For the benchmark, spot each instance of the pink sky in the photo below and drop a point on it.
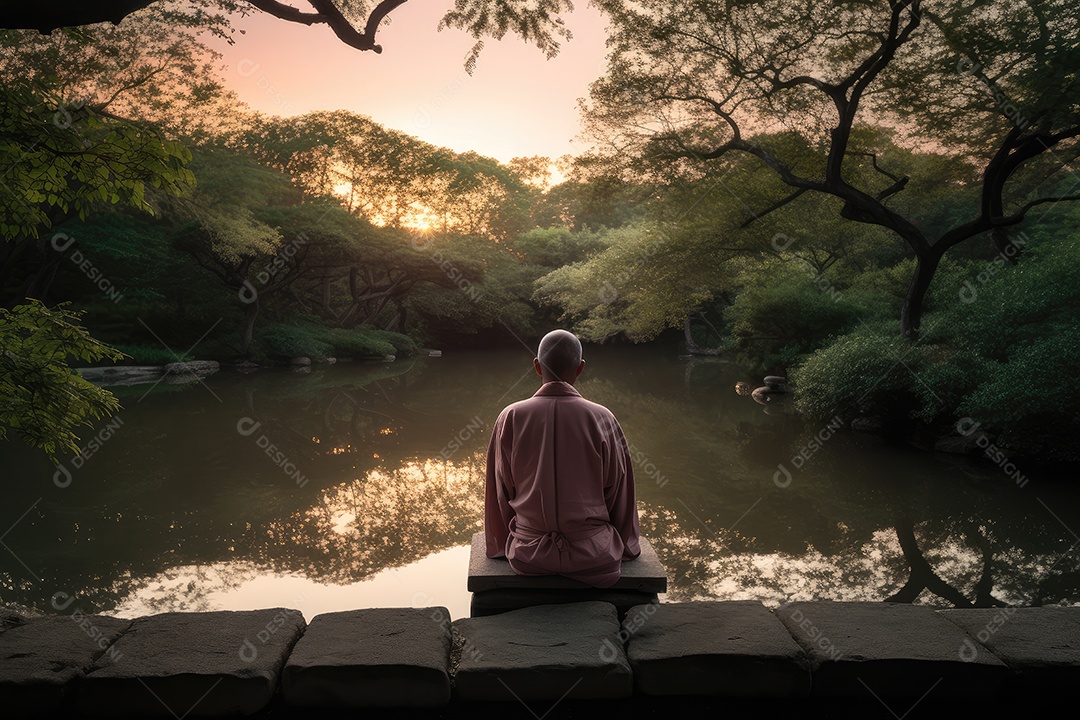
(516, 102)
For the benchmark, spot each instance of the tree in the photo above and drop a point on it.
(535, 21)
(986, 84)
(44, 399)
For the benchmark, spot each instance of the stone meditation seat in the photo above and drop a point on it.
(496, 588)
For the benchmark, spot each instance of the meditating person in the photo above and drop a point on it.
(560, 484)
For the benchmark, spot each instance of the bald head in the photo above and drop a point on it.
(559, 357)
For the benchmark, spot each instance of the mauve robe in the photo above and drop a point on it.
(560, 488)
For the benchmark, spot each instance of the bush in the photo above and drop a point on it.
(318, 342)
(857, 374)
(783, 313)
(283, 340)
(1031, 399)
(357, 342)
(152, 355)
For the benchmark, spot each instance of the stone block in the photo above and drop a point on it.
(193, 664)
(41, 658)
(494, 602)
(734, 649)
(548, 652)
(389, 657)
(644, 573)
(1040, 645)
(863, 649)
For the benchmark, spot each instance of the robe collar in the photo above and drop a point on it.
(557, 388)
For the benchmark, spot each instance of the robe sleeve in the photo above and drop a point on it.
(619, 493)
(497, 510)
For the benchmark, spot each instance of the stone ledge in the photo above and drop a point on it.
(644, 573)
(861, 649)
(548, 652)
(734, 649)
(41, 658)
(390, 657)
(229, 663)
(1039, 645)
(198, 664)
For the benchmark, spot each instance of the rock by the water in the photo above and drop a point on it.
(388, 657)
(300, 360)
(547, 653)
(774, 381)
(193, 663)
(765, 395)
(1040, 645)
(434, 353)
(737, 649)
(862, 649)
(41, 658)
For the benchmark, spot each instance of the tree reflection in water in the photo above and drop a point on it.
(179, 509)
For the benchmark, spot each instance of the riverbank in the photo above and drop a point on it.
(802, 655)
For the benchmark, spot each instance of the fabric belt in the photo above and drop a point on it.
(559, 537)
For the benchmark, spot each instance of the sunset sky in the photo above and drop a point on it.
(516, 103)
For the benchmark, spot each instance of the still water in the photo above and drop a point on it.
(358, 485)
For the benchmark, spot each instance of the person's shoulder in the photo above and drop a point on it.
(513, 407)
(598, 410)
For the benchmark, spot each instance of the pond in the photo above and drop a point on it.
(359, 485)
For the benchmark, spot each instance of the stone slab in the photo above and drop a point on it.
(548, 653)
(193, 664)
(644, 573)
(41, 658)
(1040, 645)
(388, 657)
(864, 649)
(495, 602)
(735, 649)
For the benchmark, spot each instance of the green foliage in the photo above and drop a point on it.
(45, 401)
(1002, 352)
(68, 161)
(785, 310)
(305, 337)
(152, 355)
(860, 373)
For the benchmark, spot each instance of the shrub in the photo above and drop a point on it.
(152, 355)
(867, 372)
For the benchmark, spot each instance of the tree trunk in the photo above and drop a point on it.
(249, 326)
(911, 314)
(692, 347)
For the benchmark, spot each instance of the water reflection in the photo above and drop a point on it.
(198, 504)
